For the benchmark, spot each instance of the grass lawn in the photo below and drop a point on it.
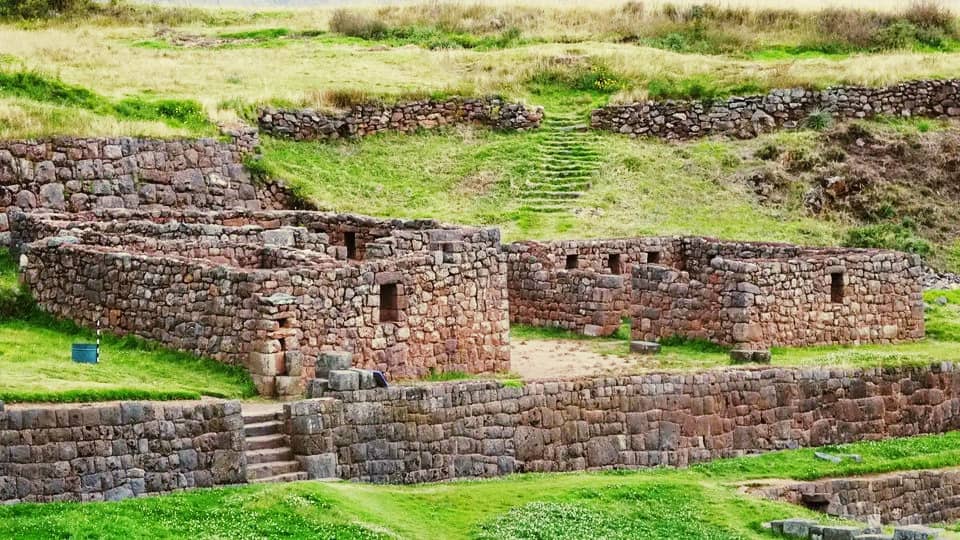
(941, 345)
(697, 503)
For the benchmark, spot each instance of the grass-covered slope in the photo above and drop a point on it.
(698, 503)
(35, 363)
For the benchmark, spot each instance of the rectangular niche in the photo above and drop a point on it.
(389, 303)
(653, 257)
(613, 262)
(350, 240)
(836, 287)
(572, 261)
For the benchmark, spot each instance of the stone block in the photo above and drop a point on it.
(839, 532)
(317, 387)
(367, 381)
(287, 386)
(319, 466)
(644, 347)
(344, 380)
(333, 360)
(793, 528)
(747, 356)
(916, 532)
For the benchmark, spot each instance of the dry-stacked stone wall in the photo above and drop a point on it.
(79, 174)
(118, 450)
(480, 429)
(270, 290)
(762, 295)
(901, 498)
(578, 285)
(409, 116)
(748, 116)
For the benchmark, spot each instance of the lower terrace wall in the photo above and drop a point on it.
(480, 429)
(409, 116)
(902, 498)
(79, 174)
(748, 116)
(120, 450)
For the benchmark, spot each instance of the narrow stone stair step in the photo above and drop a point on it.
(266, 455)
(556, 194)
(556, 186)
(272, 468)
(263, 428)
(259, 418)
(287, 477)
(277, 440)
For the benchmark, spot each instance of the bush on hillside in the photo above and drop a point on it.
(357, 24)
(42, 9)
(897, 236)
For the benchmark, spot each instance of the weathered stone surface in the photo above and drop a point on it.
(407, 117)
(113, 452)
(916, 532)
(644, 347)
(344, 380)
(744, 117)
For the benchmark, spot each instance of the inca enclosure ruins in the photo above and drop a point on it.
(490, 271)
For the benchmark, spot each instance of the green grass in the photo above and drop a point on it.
(701, 502)
(43, 89)
(36, 365)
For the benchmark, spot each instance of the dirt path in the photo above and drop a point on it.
(546, 358)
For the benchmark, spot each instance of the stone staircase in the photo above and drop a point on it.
(567, 164)
(269, 457)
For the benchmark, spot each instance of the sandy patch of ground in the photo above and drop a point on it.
(548, 358)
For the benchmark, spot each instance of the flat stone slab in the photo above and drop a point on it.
(644, 347)
(344, 380)
(750, 356)
(916, 532)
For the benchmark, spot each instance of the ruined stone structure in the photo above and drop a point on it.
(752, 295)
(471, 429)
(901, 498)
(368, 119)
(79, 174)
(270, 290)
(116, 451)
(579, 285)
(748, 116)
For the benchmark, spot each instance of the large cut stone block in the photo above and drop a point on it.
(344, 380)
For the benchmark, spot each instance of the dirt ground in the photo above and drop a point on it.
(545, 358)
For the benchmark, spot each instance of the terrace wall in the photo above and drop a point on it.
(748, 116)
(79, 174)
(481, 429)
(368, 119)
(901, 498)
(116, 451)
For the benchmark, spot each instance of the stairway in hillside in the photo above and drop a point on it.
(269, 458)
(568, 160)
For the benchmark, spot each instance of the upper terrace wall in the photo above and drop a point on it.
(274, 308)
(371, 118)
(119, 450)
(579, 285)
(475, 429)
(762, 295)
(79, 174)
(749, 116)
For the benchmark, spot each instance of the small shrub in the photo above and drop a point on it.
(929, 14)
(43, 9)
(595, 77)
(818, 120)
(898, 236)
(899, 35)
(768, 152)
(352, 23)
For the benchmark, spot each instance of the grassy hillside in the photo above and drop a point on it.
(701, 503)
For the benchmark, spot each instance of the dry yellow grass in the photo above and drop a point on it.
(20, 118)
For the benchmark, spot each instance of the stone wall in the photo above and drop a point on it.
(480, 429)
(901, 498)
(578, 285)
(79, 174)
(409, 116)
(761, 295)
(269, 290)
(119, 450)
(748, 116)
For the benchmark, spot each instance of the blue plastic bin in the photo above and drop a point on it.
(85, 353)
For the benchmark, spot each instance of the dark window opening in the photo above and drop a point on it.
(350, 240)
(572, 261)
(836, 287)
(389, 303)
(613, 261)
(653, 257)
